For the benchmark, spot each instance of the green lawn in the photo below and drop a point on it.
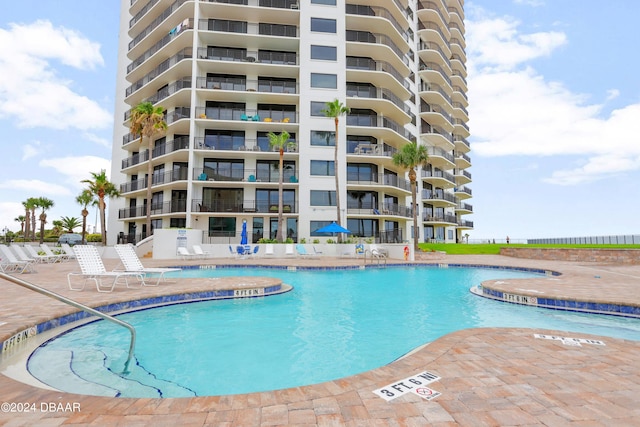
(494, 249)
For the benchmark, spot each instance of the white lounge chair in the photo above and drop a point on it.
(302, 251)
(59, 257)
(92, 268)
(28, 253)
(378, 252)
(132, 264)
(185, 254)
(68, 250)
(197, 250)
(12, 264)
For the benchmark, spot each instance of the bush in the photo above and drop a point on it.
(94, 238)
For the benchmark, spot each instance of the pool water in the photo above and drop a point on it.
(333, 324)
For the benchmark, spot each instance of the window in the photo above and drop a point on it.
(323, 198)
(317, 107)
(316, 225)
(224, 139)
(263, 142)
(227, 26)
(177, 222)
(327, 53)
(362, 172)
(322, 168)
(363, 227)
(269, 170)
(224, 170)
(323, 25)
(221, 200)
(362, 200)
(222, 226)
(327, 81)
(329, 2)
(267, 201)
(323, 138)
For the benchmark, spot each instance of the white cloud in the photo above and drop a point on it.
(97, 139)
(36, 186)
(516, 111)
(77, 169)
(30, 150)
(612, 94)
(533, 3)
(31, 90)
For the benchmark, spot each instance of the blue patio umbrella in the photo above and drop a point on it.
(243, 235)
(332, 228)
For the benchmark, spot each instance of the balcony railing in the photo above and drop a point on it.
(159, 45)
(289, 176)
(432, 66)
(165, 92)
(438, 174)
(378, 121)
(356, 63)
(437, 195)
(269, 116)
(240, 144)
(242, 84)
(174, 206)
(465, 206)
(432, 87)
(177, 114)
(158, 179)
(463, 156)
(435, 27)
(233, 206)
(439, 218)
(159, 20)
(180, 143)
(429, 108)
(463, 190)
(462, 172)
(433, 6)
(164, 66)
(367, 37)
(364, 10)
(382, 179)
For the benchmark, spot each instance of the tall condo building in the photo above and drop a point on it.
(229, 72)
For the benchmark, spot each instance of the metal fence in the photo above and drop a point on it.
(630, 239)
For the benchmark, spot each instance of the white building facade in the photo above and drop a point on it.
(228, 72)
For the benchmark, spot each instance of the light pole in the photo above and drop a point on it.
(5, 231)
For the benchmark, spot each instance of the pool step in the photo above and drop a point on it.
(86, 371)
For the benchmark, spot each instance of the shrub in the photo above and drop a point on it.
(94, 237)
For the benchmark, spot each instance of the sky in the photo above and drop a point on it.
(554, 97)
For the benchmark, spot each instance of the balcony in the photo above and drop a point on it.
(180, 143)
(462, 176)
(370, 120)
(438, 197)
(165, 92)
(250, 116)
(140, 59)
(462, 192)
(234, 207)
(462, 160)
(439, 219)
(164, 66)
(367, 44)
(360, 97)
(246, 175)
(174, 206)
(158, 179)
(375, 180)
(236, 84)
(464, 208)
(439, 178)
(374, 18)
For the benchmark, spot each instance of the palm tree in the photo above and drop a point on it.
(85, 199)
(409, 157)
(21, 219)
(280, 141)
(30, 210)
(58, 227)
(69, 223)
(101, 187)
(27, 219)
(148, 121)
(334, 110)
(44, 204)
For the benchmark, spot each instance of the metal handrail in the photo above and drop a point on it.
(76, 304)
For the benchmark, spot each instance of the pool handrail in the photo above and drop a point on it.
(80, 306)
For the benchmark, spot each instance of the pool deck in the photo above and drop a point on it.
(487, 377)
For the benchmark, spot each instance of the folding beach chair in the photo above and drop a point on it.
(12, 264)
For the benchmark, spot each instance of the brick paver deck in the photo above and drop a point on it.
(488, 377)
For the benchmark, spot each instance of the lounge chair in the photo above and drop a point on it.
(185, 254)
(58, 257)
(317, 252)
(131, 263)
(92, 268)
(12, 264)
(378, 252)
(233, 253)
(302, 251)
(288, 249)
(68, 250)
(28, 253)
(197, 250)
(256, 248)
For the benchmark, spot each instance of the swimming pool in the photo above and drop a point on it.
(333, 324)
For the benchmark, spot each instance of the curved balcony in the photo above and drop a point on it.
(167, 91)
(378, 73)
(431, 32)
(239, 144)
(376, 180)
(446, 219)
(432, 73)
(438, 178)
(252, 176)
(140, 88)
(367, 44)
(239, 89)
(462, 192)
(461, 144)
(433, 11)
(377, 19)
(159, 179)
(461, 128)
(456, 15)
(434, 94)
(259, 62)
(172, 22)
(383, 101)
(276, 11)
(464, 208)
(438, 198)
(465, 225)
(462, 176)
(180, 40)
(462, 160)
(379, 127)
(440, 158)
(241, 116)
(436, 116)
